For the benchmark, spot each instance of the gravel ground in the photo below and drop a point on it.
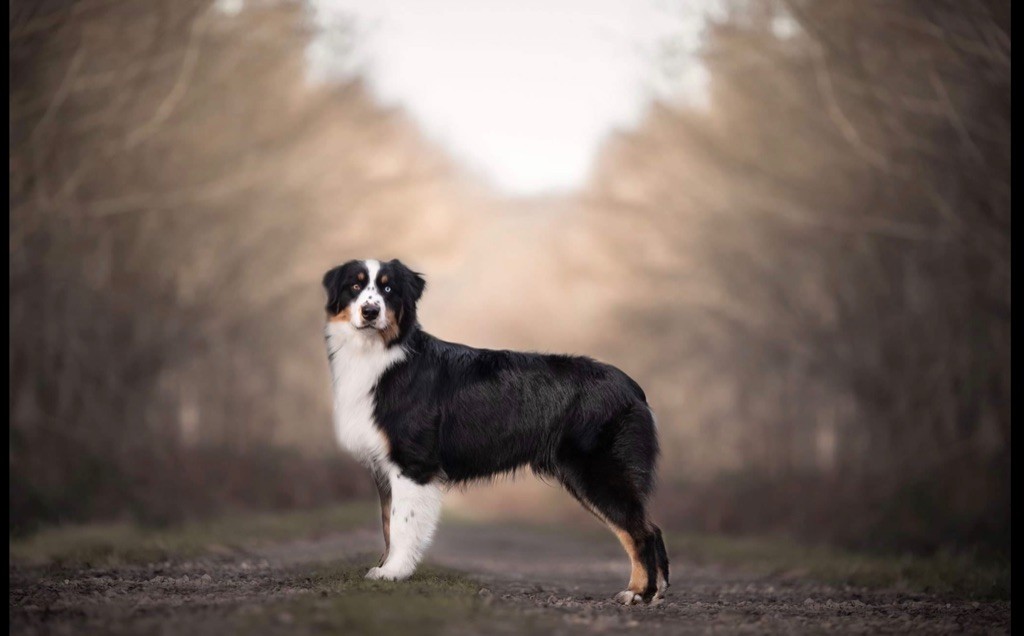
(562, 580)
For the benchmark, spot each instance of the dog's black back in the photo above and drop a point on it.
(463, 413)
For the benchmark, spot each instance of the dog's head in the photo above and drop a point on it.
(374, 297)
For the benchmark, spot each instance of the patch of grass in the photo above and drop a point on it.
(944, 574)
(111, 544)
(433, 601)
(348, 577)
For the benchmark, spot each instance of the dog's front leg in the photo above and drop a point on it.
(384, 492)
(415, 510)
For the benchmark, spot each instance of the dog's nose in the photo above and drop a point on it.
(370, 312)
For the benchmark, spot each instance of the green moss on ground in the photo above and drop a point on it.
(433, 601)
(109, 544)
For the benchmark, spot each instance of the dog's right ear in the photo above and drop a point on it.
(331, 277)
(330, 283)
(333, 283)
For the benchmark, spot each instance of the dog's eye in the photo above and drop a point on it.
(387, 290)
(355, 287)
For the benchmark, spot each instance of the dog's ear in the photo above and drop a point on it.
(332, 282)
(414, 280)
(331, 277)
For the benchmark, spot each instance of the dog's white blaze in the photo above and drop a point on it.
(415, 510)
(369, 295)
(357, 360)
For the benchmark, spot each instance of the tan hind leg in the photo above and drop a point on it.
(639, 576)
(645, 576)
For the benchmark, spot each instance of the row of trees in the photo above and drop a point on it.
(822, 255)
(835, 232)
(177, 190)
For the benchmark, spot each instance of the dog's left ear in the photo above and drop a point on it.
(415, 280)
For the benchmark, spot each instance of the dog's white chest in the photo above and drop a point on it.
(357, 362)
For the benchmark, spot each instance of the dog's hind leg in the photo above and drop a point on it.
(612, 474)
(662, 558)
(415, 510)
(642, 551)
(623, 511)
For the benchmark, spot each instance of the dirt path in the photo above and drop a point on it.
(560, 578)
(559, 573)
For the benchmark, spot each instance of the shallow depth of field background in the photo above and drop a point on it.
(788, 220)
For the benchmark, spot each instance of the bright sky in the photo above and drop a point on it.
(522, 91)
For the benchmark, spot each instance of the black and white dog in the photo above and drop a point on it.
(424, 414)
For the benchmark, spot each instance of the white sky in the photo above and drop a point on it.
(521, 91)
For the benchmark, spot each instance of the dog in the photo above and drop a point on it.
(424, 414)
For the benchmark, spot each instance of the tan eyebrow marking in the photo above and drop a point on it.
(361, 276)
(384, 279)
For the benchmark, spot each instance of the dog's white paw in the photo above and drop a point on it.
(383, 574)
(377, 574)
(628, 597)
